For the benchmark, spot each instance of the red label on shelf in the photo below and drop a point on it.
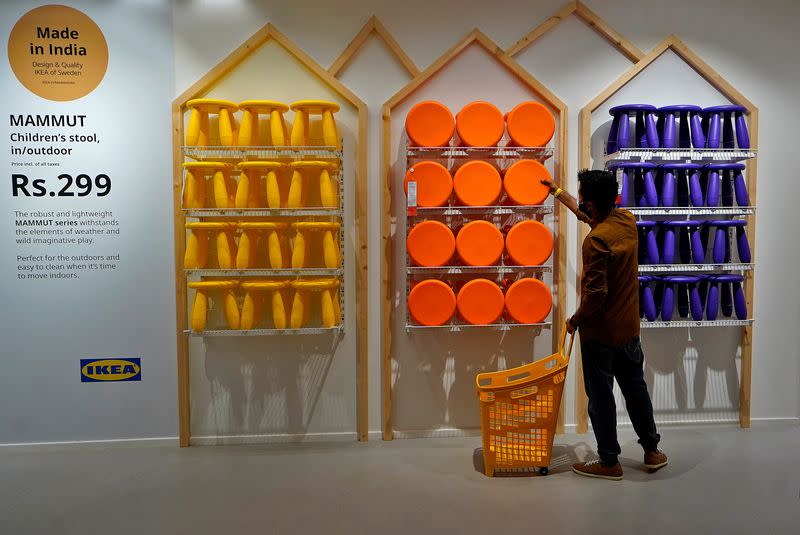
(412, 197)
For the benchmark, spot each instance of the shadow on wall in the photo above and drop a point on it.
(274, 388)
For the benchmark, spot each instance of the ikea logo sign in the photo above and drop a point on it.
(111, 369)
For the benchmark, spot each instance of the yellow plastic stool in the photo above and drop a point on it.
(200, 305)
(248, 248)
(330, 248)
(327, 189)
(194, 188)
(329, 302)
(300, 127)
(251, 307)
(198, 131)
(248, 131)
(248, 191)
(196, 255)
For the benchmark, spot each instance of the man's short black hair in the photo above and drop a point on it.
(598, 186)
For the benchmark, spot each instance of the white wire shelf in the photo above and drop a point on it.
(260, 153)
(499, 152)
(457, 327)
(465, 270)
(726, 210)
(275, 273)
(694, 268)
(681, 155)
(265, 332)
(684, 324)
(483, 210)
(262, 212)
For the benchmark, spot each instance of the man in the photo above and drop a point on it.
(608, 322)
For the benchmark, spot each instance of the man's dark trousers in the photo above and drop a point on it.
(601, 364)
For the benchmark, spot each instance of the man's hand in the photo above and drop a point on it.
(571, 327)
(549, 183)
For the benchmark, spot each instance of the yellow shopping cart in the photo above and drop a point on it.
(519, 410)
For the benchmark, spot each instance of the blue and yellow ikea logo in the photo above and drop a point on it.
(111, 369)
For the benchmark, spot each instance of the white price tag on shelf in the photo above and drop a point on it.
(412, 197)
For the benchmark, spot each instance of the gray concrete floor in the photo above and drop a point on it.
(720, 480)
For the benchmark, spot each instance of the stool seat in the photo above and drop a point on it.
(528, 301)
(213, 284)
(263, 106)
(727, 278)
(430, 124)
(212, 225)
(724, 166)
(530, 124)
(727, 223)
(206, 165)
(523, 182)
(264, 225)
(631, 165)
(676, 166)
(680, 108)
(480, 124)
(265, 285)
(431, 243)
(477, 183)
(682, 279)
(312, 164)
(479, 243)
(647, 224)
(329, 301)
(529, 243)
(726, 108)
(254, 164)
(316, 225)
(315, 285)
(480, 302)
(631, 107)
(314, 106)
(431, 303)
(434, 183)
(212, 105)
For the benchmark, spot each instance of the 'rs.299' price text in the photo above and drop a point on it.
(64, 185)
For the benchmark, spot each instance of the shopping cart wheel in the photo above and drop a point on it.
(544, 470)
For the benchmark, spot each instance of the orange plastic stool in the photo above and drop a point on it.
(431, 303)
(523, 182)
(480, 124)
(479, 243)
(529, 243)
(430, 124)
(434, 184)
(528, 301)
(480, 302)
(477, 183)
(530, 124)
(431, 243)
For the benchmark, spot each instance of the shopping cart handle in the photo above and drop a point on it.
(564, 341)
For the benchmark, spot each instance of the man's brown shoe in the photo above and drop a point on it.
(653, 460)
(597, 469)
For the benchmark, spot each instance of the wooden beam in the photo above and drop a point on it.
(387, 272)
(200, 88)
(749, 281)
(373, 25)
(531, 37)
(181, 303)
(614, 38)
(584, 158)
(560, 253)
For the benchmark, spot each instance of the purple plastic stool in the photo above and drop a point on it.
(647, 236)
(680, 126)
(645, 132)
(688, 297)
(720, 121)
(721, 250)
(720, 289)
(647, 303)
(632, 174)
(681, 182)
(730, 179)
(689, 239)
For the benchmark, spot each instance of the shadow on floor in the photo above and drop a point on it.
(562, 458)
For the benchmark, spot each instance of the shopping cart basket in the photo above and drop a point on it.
(519, 410)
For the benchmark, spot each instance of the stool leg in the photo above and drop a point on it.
(298, 310)
(714, 131)
(669, 246)
(695, 302)
(191, 255)
(225, 128)
(248, 319)
(739, 301)
(650, 188)
(205, 130)
(668, 189)
(625, 193)
(226, 250)
(712, 302)
(698, 137)
(220, 185)
(623, 131)
(695, 191)
(326, 189)
(246, 254)
(273, 190)
(277, 128)
(683, 300)
(649, 304)
(652, 248)
(712, 195)
(668, 135)
(328, 314)
(202, 248)
(743, 245)
(295, 190)
(740, 188)
(330, 135)
(274, 249)
(193, 128)
(199, 310)
(668, 302)
(299, 129)
(299, 250)
(278, 310)
(194, 190)
(651, 129)
(684, 131)
(698, 249)
(330, 251)
(232, 317)
(726, 300)
(230, 186)
(243, 188)
(337, 307)
(742, 135)
(611, 143)
(254, 196)
(727, 131)
(245, 138)
(720, 239)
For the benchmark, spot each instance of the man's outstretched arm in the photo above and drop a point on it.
(567, 200)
